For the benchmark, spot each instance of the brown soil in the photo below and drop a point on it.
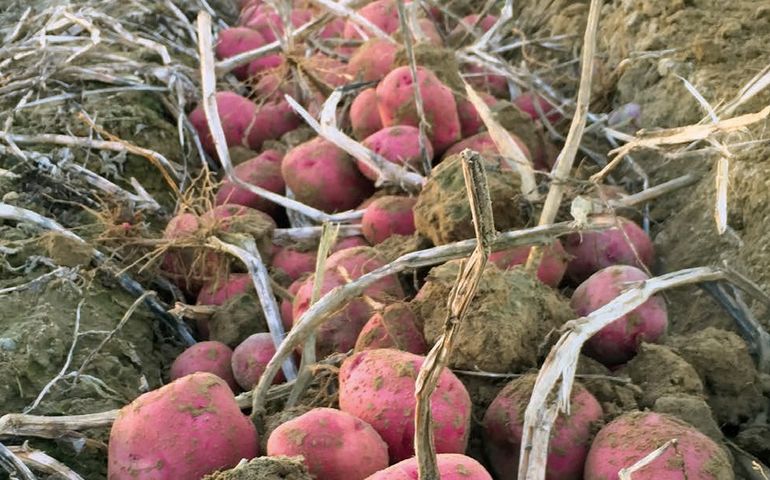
(504, 329)
(266, 468)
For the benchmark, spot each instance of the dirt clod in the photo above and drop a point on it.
(237, 319)
(658, 371)
(265, 468)
(692, 409)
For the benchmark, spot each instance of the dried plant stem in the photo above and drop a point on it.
(42, 462)
(423, 124)
(248, 254)
(298, 234)
(328, 237)
(208, 86)
(13, 465)
(625, 473)
(654, 192)
(22, 425)
(9, 212)
(459, 300)
(558, 370)
(319, 312)
(563, 167)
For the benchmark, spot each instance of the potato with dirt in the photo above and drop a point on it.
(212, 357)
(399, 145)
(377, 386)
(250, 359)
(619, 341)
(263, 171)
(570, 436)
(325, 177)
(396, 103)
(235, 40)
(334, 445)
(186, 429)
(373, 60)
(631, 437)
(364, 116)
(396, 326)
(552, 265)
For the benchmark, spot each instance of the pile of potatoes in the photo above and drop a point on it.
(193, 426)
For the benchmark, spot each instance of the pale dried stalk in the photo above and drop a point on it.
(654, 192)
(42, 462)
(316, 315)
(248, 254)
(427, 163)
(291, 235)
(760, 81)
(625, 473)
(558, 370)
(328, 237)
(208, 87)
(563, 167)
(508, 148)
(460, 298)
(720, 207)
(9, 212)
(22, 425)
(387, 172)
(12, 464)
(680, 135)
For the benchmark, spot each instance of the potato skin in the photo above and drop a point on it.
(373, 60)
(250, 359)
(364, 116)
(335, 445)
(632, 436)
(399, 145)
(552, 265)
(235, 40)
(570, 437)
(377, 386)
(387, 216)
(382, 13)
(264, 171)
(394, 327)
(451, 466)
(211, 357)
(218, 292)
(470, 120)
(592, 251)
(237, 114)
(619, 341)
(186, 429)
(395, 101)
(324, 177)
(483, 143)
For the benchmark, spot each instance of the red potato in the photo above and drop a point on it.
(570, 436)
(235, 40)
(395, 101)
(399, 145)
(293, 263)
(334, 445)
(395, 327)
(263, 171)
(382, 13)
(356, 261)
(481, 79)
(325, 177)
(273, 85)
(211, 357)
(266, 20)
(250, 359)
(526, 103)
(552, 265)
(275, 118)
(624, 244)
(387, 216)
(631, 437)
(333, 29)
(377, 386)
(364, 116)
(186, 429)
(451, 466)
(373, 60)
(218, 292)
(349, 242)
(184, 265)
(470, 120)
(619, 341)
(483, 143)
(327, 69)
(237, 114)
(430, 31)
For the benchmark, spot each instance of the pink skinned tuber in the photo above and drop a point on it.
(470, 120)
(624, 244)
(451, 466)
(263, 171)
(186, 429)
(250, 359)
(619, 341)
(373, 60)
(552, 265)
(218, 292)
(382, 13)
(211, 357)
(399, 145)
(387, 216)
(235, 40)
(396, 103)
(364, 116)
(570, 436)
(334, 445)
(377, 386)
(395, 327)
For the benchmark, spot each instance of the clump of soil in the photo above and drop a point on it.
(658, 371)
(397, 245)
(237, 319)
(729, 376)
(442, 212)
(511, 314)
(693, 410)
(615, 396)
(265, 468)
